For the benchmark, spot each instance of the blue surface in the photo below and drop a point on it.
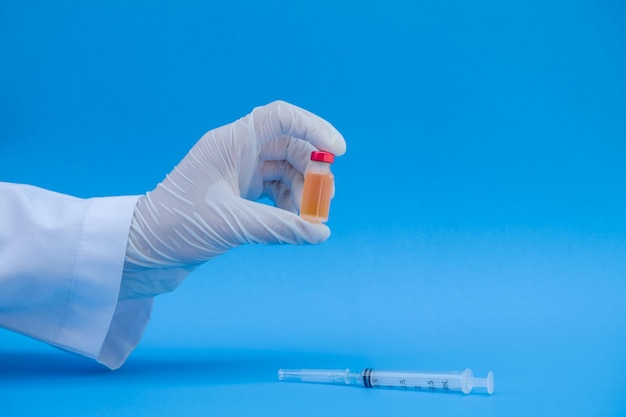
(478, 222)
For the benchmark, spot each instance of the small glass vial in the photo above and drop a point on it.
(318, 187)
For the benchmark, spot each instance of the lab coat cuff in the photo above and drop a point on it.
(127, 326)
(97, 324)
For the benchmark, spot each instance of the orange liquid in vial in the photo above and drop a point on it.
(318, 187)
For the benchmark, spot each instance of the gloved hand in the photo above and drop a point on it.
(206, 206)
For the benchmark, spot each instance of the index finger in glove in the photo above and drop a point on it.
(288, 148)
(280, 118)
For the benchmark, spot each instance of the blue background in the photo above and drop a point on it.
(478, 221)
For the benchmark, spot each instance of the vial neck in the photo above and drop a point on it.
(319, 166)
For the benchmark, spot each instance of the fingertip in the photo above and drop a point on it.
(268, 224)
(319, 232)
(306, 125)
(338, 144)
(332, 141)
(309, 232)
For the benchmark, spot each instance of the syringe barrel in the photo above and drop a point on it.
(449, 381)
(445, 381)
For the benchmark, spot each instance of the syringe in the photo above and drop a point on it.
(370, 378)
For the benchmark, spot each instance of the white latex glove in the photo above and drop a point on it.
(205, 206)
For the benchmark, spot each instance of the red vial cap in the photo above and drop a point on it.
(322, 157)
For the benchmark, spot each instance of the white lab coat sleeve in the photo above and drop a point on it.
(61, 263)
